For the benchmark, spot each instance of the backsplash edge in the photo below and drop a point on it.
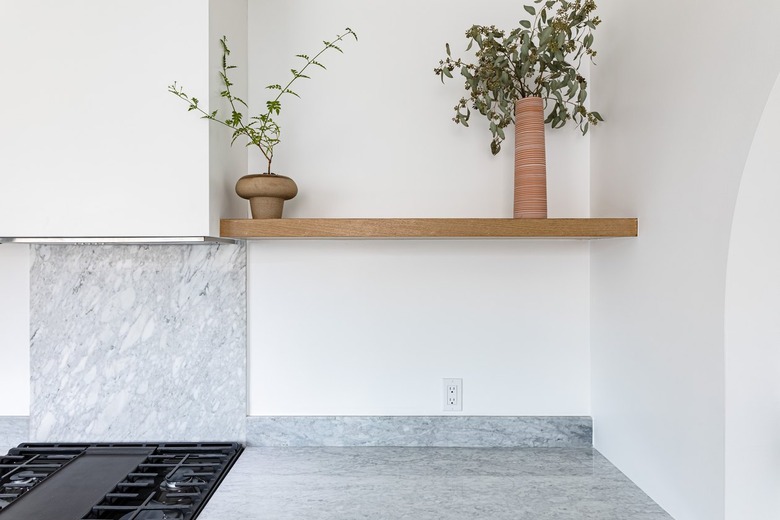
(421, 431)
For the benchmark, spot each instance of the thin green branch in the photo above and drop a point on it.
(299, 74)
(266, 135)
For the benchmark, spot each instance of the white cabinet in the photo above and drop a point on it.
(91, 142)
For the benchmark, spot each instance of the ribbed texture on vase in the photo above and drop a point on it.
(530, 161)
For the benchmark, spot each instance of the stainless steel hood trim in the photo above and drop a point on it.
(118, 240)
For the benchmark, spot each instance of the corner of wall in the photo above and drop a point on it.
(226, 163)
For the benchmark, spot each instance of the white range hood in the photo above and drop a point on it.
(117, 240)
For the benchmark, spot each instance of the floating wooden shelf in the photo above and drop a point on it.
(581, 228)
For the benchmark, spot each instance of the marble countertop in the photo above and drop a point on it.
(427, 483)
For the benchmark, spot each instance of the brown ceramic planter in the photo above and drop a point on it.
(530, 159)
(266, 193)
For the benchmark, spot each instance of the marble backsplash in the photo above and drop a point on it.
(422, 431)
(138, 343)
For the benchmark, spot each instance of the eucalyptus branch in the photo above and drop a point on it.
(531, 60)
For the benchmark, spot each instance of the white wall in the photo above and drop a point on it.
(681, 112)
(371, 327)
(753, 331)
(15, 329)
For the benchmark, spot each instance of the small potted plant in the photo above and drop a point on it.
(267, 191)
(520, 74)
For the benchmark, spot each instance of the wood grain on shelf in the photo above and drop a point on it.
(428, 228)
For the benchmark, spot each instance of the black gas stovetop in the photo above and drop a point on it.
(150, 481)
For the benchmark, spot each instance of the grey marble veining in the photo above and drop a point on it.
(442, 431)
(13, 431)
(134, 343)
(426, 484)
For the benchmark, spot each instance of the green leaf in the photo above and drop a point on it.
(447, 46)
(525, 23)
(587, 40)
(545, 35)
(274, 106)
(530, 10)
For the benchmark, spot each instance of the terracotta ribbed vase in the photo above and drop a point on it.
(530, 161)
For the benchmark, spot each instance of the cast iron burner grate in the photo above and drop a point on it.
(150, 481)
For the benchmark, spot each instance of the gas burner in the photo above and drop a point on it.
(24, 479)
(180, 488)
(181, 479)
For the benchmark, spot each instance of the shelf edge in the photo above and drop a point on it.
(428, 228)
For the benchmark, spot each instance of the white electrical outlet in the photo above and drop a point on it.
(453, 395)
